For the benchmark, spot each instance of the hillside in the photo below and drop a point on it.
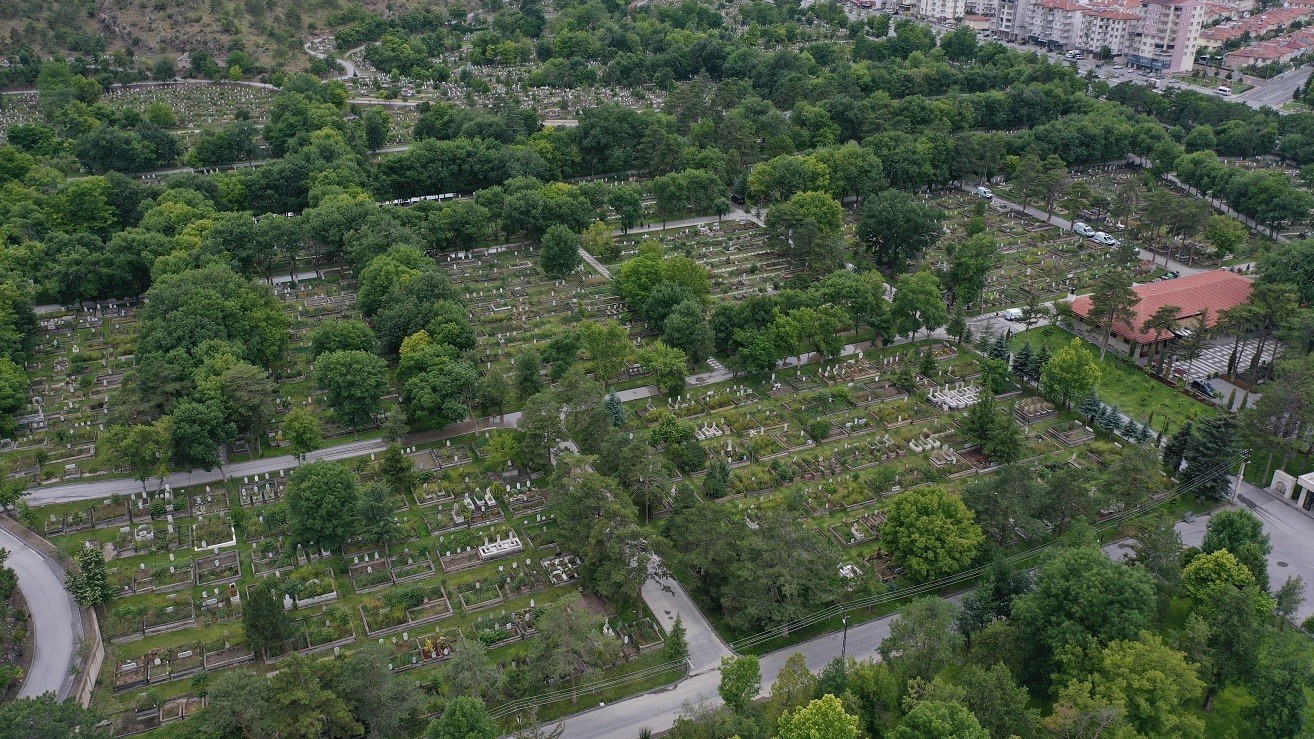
(271, 31)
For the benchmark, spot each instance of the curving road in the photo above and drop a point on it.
(56, 621)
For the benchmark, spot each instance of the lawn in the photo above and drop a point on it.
(1126, 386)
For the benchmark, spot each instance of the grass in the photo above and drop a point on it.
(1125, 385)
(1265, 462)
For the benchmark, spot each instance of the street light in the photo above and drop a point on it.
(844, 645)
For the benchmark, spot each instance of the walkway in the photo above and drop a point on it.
(56, 621)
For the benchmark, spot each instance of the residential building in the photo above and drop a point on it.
(1106, 28)
(941, 9)
(1214, 291)
(1166, 38)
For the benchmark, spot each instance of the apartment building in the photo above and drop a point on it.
(1167, 36)
(1106, 28)
(941, 9)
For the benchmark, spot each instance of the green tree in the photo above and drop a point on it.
(354, 382)
(923, 640)
(264, 622)
(321, 504)
(971, 261)
(1160, 326)
(931, 533)
(301, 431)
(687, 330)
(336, 336)
(939, 720)
(529, 373)
(237, 703)
(375, 515)
(607, 344)
(1209, 452)
(1149, 682)
(794, 687)
(1112, 304)
(1207, 572)
(142, 449)
(1286, 673)
(570, 643)
(895, 228)
(44, 717)
(470, 672)
(918, 304)
(676, 646)
(560, 251)
(195, 433)
(1070, 374)
(89, 584)
(667, 364)
(300, 703)
(823, 717)
(741, 681)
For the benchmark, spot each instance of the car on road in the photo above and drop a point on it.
(1102, 238)
(1224, 90)
(1012, 314)
(984, 192)
(1083, 229)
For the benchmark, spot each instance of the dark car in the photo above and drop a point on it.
(1204, 388)
(737, 199)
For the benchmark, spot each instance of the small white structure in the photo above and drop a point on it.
(1297, 492)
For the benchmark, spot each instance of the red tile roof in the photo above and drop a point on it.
(1218, 291)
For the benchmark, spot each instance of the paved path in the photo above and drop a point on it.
(56, 621)
(667, 598)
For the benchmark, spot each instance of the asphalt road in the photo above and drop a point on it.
(1276, 91)
(56, 622)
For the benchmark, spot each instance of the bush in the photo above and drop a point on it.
(406, 598)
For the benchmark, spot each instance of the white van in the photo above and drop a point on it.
(1224, 90)
(1102, 238)
(1012, 314)
(984, 192)
(1083, 229)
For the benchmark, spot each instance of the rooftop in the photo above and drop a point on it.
(1217, 291)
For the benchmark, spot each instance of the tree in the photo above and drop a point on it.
(89, 584)
(441, 395)
(560, 251)
(355, 382)
(895, 228)
(795, 685)
(470, 672)
(301, 704)
(529, 373)
(687, 330)
(570, 643)
(923, 640)
(676, 646)
(301, 431)
(142, 449)
(1209, 453)
(607, 344)
(807, 228)
(43, 717)
(939, 720)
(1112, 304)
(264, 622)
(1285, 674)
(464, 718)
(1070, 374)
(321, 504)
(997, 701)
(375, 513)
(1160, 326)
(823, 717)
(1006, 504)
(1288, 599)
(195, 433)
(741, 680)
(336, 336)
(1225, 234)
(931, 533)
(237, 703)
(971, 261)
(918, 304)
(1208, 572)
(1151, 684)
(783, 571)
(1082, 599)
(1235, 529)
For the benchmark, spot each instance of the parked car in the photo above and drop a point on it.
(1102, 238)
(1205, 388)
(984, 192)
(1083, 229)
(1013, 314)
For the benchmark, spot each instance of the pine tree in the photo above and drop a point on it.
(1091, 406)
(980, 419)
(1022, 360)
(999, 348)
(982, 343)
(1114, 420)
(1132, 431)
(1040, 359)
(928, 365)
(676, 648)
(616, 410)
(1211, 445)
(1175, 450)
(1004, 446)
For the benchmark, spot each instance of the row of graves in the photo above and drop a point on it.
(194, 105)
(80, 360)
(836, 441)
(1038, 260)
(734, 252)
(183, 571)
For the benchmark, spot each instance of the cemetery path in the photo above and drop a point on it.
(1066, 225)
(667, 599)
(91, 489)
(56, 621)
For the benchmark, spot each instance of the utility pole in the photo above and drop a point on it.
(844, 645)
(1236, 487)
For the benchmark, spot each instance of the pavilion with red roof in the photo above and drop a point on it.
(1214, 291)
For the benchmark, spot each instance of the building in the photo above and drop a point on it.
(1297, 492)
(1106, 28)
(941, 9)
(1214, 291)
(1166, 38)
